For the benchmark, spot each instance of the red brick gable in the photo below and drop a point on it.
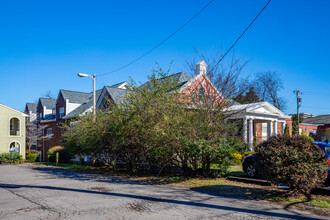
(194, 85)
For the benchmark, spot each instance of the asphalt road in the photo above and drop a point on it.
(28, 192)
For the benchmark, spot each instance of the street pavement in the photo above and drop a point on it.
(32, 192)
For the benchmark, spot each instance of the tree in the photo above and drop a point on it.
(158, 127)
(267, 86)
(48, 94)
(294, 161)
(294, 119)
(34, 133)
(250, 97)
(227, 77)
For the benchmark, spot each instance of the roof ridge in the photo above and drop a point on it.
(73, 91)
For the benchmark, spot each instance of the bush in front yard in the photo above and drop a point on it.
(292, 160)
(31, 155)
(64, 155)
(12, 157)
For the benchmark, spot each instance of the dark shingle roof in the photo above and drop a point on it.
(119, 84)
(317, 120)
(75, 97)
(118, 95)
(48, 103)
(84, 106)
(31, 107)
(182, 78)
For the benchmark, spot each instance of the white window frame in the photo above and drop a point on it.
(19, 122)
(19, 151)
(51, 131)
(264, 135)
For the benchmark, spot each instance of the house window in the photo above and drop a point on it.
(49, 131)
(193, 97)
(315, 132)
(61, 112)
(14, 129)
(264, 131)
(14, 147)
(201, 94)
(40, 115)
(209, 99)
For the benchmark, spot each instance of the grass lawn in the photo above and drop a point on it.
(319, 204)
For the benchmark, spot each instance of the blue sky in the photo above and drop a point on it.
(44, 44)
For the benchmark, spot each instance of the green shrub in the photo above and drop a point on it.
(12, 157)
(307, 137)
(248, 152)
(64, 155)
(292, 160)
(31, 157)
(32, 152)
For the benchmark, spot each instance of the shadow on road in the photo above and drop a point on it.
(82, 176)
(153, 199)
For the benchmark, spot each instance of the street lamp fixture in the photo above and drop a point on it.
(94, 96)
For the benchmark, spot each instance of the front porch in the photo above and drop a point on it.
(260, 120)
(258, 129)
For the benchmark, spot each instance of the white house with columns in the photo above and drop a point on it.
(261, 120)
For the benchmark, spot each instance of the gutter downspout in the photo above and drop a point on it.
(43, 144)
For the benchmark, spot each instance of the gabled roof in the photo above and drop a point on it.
(317, 120)
(23, 114)
(121, 85)
(264, 108)
(88, 104)
(182, 78)
(48, 103)
(117, 95)
(31, 107)
(74, 96)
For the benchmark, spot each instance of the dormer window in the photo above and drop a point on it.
(14, 129)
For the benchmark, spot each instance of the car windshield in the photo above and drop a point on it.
(327, 150)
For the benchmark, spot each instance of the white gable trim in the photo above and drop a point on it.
(23, 114)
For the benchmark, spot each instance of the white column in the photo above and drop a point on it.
(283, 127)
(245, 130)
(270, 128)
(251, 133)
(275, 128)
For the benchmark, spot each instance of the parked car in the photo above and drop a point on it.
(250, 169)
(326, 149)
(249, 166)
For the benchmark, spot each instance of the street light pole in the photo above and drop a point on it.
(94, 102)
(94, 93)
(94, 98)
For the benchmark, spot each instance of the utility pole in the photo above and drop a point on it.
(297, 92)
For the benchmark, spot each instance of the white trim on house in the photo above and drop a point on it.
(20, 146)
(23, 114)
(20, 127)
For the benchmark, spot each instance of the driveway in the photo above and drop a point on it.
(28, 192)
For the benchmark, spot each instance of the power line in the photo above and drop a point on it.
(304, 106)
(232, 46)
(160, 43)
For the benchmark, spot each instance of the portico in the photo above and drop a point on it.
(260, 121)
